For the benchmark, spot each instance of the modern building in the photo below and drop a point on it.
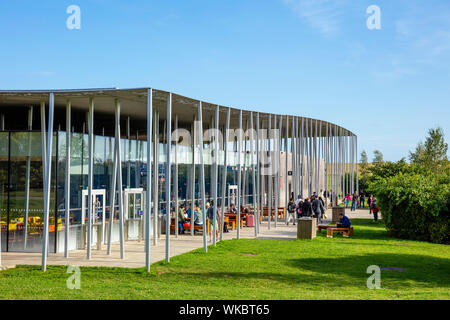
(44, 192)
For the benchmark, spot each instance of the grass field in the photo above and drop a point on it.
(260, 269)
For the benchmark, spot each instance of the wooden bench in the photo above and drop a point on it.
(346, 232)
(321, 227)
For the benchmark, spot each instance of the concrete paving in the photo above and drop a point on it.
(134, 250)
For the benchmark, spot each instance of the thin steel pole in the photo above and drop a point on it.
(202, 173)
(269, 147)
(252, 151)
(258, 209)
(175, 180)
(216, 172)
(156, 230)
(48, 166)
(225, 169)
(149, 178)
(112, 197)
(286, 171)
(119, 180)
(239, 177)
(27, 179)
(90, 175)
(193, 178)
(168, 168)
(67, 182)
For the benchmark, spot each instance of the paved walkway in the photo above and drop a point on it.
(134, 250)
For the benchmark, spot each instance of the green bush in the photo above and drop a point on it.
(414, 202)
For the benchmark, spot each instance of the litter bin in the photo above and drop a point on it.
(306, 228)
(336, 211)
(250, 220)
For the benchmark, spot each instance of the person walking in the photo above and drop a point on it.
(317, 209)
(212, 221)
(347, 199)
(375, 211)
(307, 208)
(354, 202)
(291, 208)
(362, 199)
(371, 202)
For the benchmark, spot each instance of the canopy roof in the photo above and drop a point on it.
(134, 105)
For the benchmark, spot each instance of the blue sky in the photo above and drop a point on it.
(314, 58)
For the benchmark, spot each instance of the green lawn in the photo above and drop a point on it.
(260, 269)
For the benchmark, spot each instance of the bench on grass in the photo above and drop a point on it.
(346, 232)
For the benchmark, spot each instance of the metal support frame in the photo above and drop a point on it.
(239, 191)
(216, 172)
(202, 173)
(175, 180)
(90, 175)
(67, 179)
(225, 170)
(119, 179)
(149, 178)
(168, 168)
(286, 171)
(47, 147)
(258, 207)
(156, 230)
(27, 179)
(269, 147)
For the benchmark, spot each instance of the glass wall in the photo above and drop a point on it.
(21, 177)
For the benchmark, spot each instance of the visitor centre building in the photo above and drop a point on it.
(81, 169)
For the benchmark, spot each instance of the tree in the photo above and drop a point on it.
(432, 153)
(364, 158)
(377, 156)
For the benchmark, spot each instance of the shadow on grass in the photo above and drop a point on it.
(418, 268)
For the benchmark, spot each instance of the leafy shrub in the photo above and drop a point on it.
(414, 201)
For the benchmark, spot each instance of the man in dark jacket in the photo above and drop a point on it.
(307, 208)
(344, 221)
(317, 209)
(291, 208)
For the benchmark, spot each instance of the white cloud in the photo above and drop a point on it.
(323, 15)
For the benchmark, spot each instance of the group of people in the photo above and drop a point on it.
(185, 215)
(313, 206)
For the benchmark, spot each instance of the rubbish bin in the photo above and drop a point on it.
(306, 228)
(250, 220)
(336, 211)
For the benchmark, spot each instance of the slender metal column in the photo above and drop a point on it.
(112, 196)
(119, 179)
(244, 165)
(128, 155)
(175, 181)
(149, 178)
(27, 179)
(286, 170)
(90, 175)
(168, 168)
(302, 157)
(238, 222)
(258, 210)
(216, 172)
(156, 230)
(269, 176)
(67, 182)
(225, 169)
(275, 168)
(278, 157)
(294, 156)
(47, 175)
(193, 177)
(253, 167)
(202, 173)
